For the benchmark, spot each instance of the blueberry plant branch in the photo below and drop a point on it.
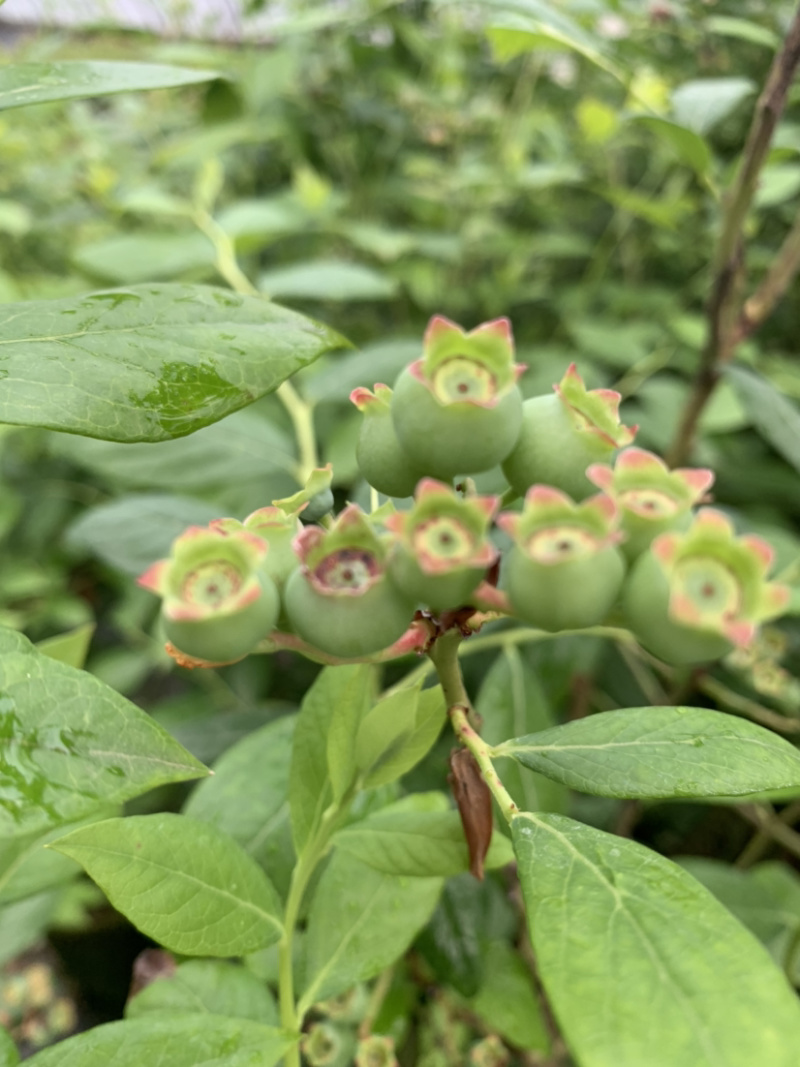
(300, 411)
(444, 656)
(727, 324)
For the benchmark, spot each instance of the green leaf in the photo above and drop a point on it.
(135, 530)
(130, 258)
(247, 798)
(23, 922)
(777, 184)
(687, 145)
(71, 648)
(35, 83)
(242, 447)
(700, 104)
(507, 1000)
(70, 744)
(640, 963)
(9, 1057)
(661, 752)
(355, 685)
(511, 702)
(745, 896)
(212, 987)
(310, 789)
(405, 839)
(150, 362)
(407, 750)
(775, 417)
(183, 883)
(179, 1040)
(743, 30)
(384, 730)
(359, 922)
(328, 279)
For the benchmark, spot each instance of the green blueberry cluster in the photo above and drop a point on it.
(642, 552)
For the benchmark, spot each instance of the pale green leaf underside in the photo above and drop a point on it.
(37, 83)
(69, 743)
(640, 963)
(661, 752)
(149, 362)
(182, 882)
(180, 1040)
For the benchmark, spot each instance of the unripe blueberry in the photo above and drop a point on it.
(564, 571)
(562, 433)
(693, 597)
(339, 599)
(651, 499)
(441, 550)
(380, 457)
(279, 530)
(314, 500)
(458, 409)
(218, 603)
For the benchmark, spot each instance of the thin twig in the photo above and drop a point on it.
(780, 275)
(744, 706)
(723, 313)
(761, 840)
(768, 822)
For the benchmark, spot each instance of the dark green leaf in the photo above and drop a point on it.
(360, 921)
(511, 702)
(775, 417)
(247, 797)
(210, 987)
(507, 1000)
(178, 1040)
(150, 362)
(135, 530)
(406, 839)
(70, 744)
(661, 752)
(183, 883)
(640, 963)
(35, 83)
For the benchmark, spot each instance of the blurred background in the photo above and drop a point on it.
(374, 163)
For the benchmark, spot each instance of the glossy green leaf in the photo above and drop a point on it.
(9, 1057)
(179, 1040)
(408, 746)
(150, 362)
(182, 882)
(507, 1000)
(210, 987)
(511, 702)
(310, 788)
(661, 752)
(775, 417)
(328, 279)
(640, 963)
(36, 83)
(684, 142)
(70, 744)
(247, 797)
(700, 104)
(360, 921)
(137, 529)
(423, 844)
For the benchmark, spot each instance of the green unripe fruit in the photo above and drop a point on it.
(459, 437)
(380, 458)
(347, 626)
(340, 599)
(564, 571)
(226, 638)
(562, 434)
(565, 595)
(440, 592)
(319, 504)
(646, 602)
